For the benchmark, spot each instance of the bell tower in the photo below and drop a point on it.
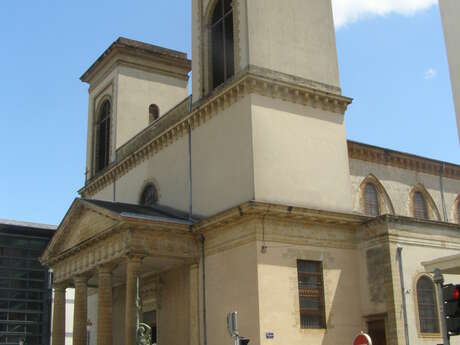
(295, 38)
(270, 68)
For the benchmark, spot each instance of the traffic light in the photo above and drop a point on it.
(451, 297)
(244, 341)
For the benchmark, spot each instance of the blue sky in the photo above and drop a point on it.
(393, 65)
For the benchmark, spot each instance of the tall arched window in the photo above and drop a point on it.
(223, 59)
(103, 136)
(149, 195)
(154, 113)
(420, 207)
(371, 200)
(427, 307)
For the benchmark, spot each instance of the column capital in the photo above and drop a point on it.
(81, 279)
(132, 257)
(106, 268)
(60, 287)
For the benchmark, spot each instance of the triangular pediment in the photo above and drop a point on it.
(81, 223)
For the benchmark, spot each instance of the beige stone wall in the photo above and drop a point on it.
(419, 243)
(137, 89)
(167, 170)
(92, 315)
(450, 10)
(222, 160)
(130, 91)
(173, 316)
(296, 39)
(300, 155)
(398, 184)
(222, 167)
(118, 314)
(279, 294)
(106, 194)
(231, 285)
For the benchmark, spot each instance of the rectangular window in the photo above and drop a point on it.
(311, 294)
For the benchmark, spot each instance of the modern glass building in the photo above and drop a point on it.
(25, 294)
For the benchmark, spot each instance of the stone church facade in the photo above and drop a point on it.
(246, 195)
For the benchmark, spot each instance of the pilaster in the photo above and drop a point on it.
(58, 335)
(104, 311)
(80, 311)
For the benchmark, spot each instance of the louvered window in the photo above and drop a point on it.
(311, 294)
(371, 201)
(103, 137)
(223, 59)
(420, 209)
(427, 308)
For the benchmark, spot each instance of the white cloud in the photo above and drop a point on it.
(349, 11)
(430, 73)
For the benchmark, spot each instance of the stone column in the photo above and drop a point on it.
(58, 336)
(104, 306)
(80, 316)
(133, 270)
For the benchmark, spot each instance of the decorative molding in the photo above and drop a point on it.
(385, 203)
(153, 139)
(142, 50)
(402, 160)
(432, 209)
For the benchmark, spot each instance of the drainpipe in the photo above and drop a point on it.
(403, 290)
(443, 200)
(190, 191)
(205, 335)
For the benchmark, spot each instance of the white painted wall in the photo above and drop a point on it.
(450, 13)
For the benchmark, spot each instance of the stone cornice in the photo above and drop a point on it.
(159, 138)
(255, 209)
(402, 160)
(145, 51)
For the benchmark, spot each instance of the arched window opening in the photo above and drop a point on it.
(154, 113)
(103, 136)
(149, 196)
(223, 59)
(427, 308)
(420, 207)
(371, 200)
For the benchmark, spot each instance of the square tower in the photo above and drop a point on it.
(131, 85)
(294, 38)
(284, 137)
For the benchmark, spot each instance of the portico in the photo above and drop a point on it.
(102, 245)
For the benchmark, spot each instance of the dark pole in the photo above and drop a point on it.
(439, 281)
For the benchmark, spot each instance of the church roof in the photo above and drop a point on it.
(130, 46)
(152, 212)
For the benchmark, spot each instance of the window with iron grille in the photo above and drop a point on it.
(427, 308)
(419, 203)
(371, 200)
(103, 136)
(149, 195)
(223, 59)
(311, 294)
